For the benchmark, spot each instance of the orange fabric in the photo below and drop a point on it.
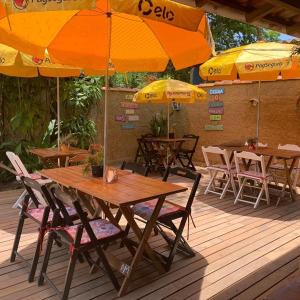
(80, 38)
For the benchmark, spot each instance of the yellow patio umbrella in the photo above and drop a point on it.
(261, 61)
(18, 64)
(129, 36)
(168, 91)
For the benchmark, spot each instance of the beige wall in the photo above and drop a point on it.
(280, 118)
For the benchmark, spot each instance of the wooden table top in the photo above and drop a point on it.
(47, 153)
(128, 190)
(267, 151)
(167, 140)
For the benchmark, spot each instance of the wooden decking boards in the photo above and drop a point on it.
(241, 253)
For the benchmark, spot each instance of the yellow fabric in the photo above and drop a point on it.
(169, 90)
(20, 6)
(258, 61)
(15, 63)
(80, 38)
(173, 13)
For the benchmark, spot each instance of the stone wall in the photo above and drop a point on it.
(280, 117)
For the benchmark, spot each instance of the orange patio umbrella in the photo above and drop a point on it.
(129, 36)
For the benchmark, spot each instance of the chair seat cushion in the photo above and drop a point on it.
(37, 213)
(145, 209)
(102, 229)
(254, 174)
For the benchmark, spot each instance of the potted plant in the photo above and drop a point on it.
(94, 162)
(251, 143)
(159, 125)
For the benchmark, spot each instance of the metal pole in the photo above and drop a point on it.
(58, 117)
(258, 112)
(105, 137)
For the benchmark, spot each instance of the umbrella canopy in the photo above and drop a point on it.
(89, 38)
(169, 90)
(258, 61)
(135, 36)
(15, 63)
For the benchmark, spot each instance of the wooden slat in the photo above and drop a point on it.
(241, 253)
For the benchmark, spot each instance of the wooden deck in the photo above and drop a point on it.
(241, 253)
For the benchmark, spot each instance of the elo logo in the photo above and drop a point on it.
(147, 8)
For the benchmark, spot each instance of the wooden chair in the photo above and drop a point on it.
(134, 168)
(170, 212)
(38, 214)
(22, 171)
(251, 177)
(81, 238)
(225, 168)
(186, 154)
(277, 169)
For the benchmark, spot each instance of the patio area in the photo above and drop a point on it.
(241, 253)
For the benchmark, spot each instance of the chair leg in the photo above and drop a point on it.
(225, 188)
(176, 241)
(108, 268)
(69, 276)
(233, 185)
(17, 238)
(127, 228)
(211, 182)
(259, 197)
(36, 257)
(240, 190)
(46, 258)
(267, 192)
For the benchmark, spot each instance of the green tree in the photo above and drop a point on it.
(228, 33)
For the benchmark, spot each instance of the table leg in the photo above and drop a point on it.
(288, 182)
(143, 244)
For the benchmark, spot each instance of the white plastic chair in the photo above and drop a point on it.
(22, 171)
(260, 177)
(226, 169)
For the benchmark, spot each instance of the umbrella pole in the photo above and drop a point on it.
(258, 112)
(105, 136)
(58, 117)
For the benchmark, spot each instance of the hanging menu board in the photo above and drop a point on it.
(215, 110)
(128, 116)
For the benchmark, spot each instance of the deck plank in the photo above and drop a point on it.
(241, 253)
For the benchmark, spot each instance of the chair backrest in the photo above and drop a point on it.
(135, 168)
(291, 147)
(244, 155)
(223, 153)
(64, 199)
(39, 194)
(17, 164)
(188, 174)
(192, 137)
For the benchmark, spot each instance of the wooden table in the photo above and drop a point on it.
(130, 189)
(280, 154)
(47, 154)
(173, 146)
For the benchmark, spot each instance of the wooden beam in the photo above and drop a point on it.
(295, 8)
(200, 3)
(293, 29)
(259, 12)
